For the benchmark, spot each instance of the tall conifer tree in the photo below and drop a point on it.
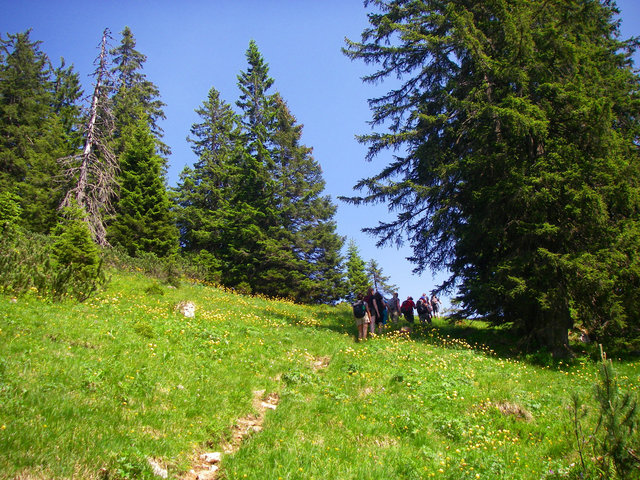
(255, 186)
(520, 127)
(31, 134)
(144, 219)
(357, 280)
(252, 208)
(205, 193)
(308, 263)
(134, 94)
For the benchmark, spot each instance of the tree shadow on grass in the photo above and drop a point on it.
(480, 335)
(331, 319)
(501, 341)
(477, 334)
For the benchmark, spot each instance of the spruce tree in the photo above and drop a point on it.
(379, 280)
(289, 247)
(77, 265)
(251, 208)
(134, 94)
(255, 185)
(308, 263)
(357, 280)
(519, 169)
(205, 194)
(144, 221)
(31, 133)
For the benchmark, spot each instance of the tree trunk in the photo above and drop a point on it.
(554, 333)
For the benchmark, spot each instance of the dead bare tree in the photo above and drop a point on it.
(93, 173)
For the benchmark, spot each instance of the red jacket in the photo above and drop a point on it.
(407, 305)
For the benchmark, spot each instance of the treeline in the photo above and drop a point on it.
(250, 213)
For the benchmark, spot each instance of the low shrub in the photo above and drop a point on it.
(65, 264)
(612, 449)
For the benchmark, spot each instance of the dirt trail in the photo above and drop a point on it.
(206, 465)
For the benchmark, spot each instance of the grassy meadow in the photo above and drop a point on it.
(105, 388)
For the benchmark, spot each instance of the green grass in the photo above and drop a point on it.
(93, 390)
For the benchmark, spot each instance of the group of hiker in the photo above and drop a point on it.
(372, 311)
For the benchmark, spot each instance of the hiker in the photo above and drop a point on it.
(393, 307)
(423, 307)
(381, 321)
(374, 313)
(435, 304)
(361, 314)
(407, 309)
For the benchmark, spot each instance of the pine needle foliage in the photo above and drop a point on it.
(78, 263)
(515, 131)
(611, 450)
(32, 130)
(66, 264)
(144, 220)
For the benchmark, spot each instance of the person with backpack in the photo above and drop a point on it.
(422, 307)
(435, 304)
(381, 320)
(375, 315)
(361, 314)
(407, 309)
(393, 306)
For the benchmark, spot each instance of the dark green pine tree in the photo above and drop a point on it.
(256, 106)
(519, 128)
(255, 187)
(205, 195)
(303, 250)
(67, 93)
(134, 94)
(357, 279)
(144, 221)
(379, 280)
(30, 131)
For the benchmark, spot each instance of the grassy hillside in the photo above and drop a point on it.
(122, 382)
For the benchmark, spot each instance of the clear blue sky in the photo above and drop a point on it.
(193, 45)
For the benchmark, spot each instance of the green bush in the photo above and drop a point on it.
(25, 263)
(65, 264)
(154, 289)
(168, 270)
(78, 264)
(611, 450)
(9, 213)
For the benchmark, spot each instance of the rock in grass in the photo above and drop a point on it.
(158, 470)
(211, 457)
(188, 309)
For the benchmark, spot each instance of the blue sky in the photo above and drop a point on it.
(193, 45)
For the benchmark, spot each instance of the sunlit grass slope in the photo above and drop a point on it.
(95, 390)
